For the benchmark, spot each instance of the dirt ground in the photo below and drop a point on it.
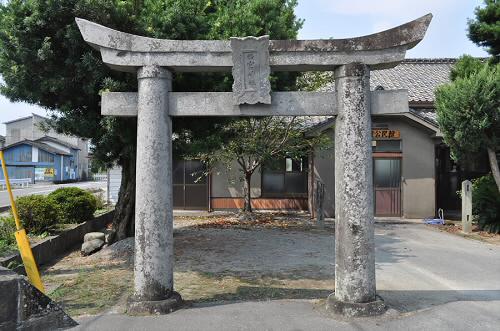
(218, 258)
(477, 234)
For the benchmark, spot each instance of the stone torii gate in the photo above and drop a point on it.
(251, 59)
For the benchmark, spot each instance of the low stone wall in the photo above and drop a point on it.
(52, 247)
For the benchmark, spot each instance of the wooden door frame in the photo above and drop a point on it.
(388, 155)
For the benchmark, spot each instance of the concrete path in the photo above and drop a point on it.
(435, 280)
(46, 188)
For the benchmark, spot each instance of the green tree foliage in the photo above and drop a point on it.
(253, 142)
(486, 204)
(44, 61)
(468, 111)
(484, 29)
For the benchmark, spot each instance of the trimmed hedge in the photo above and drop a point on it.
(74, 205)
(38, 213)
(486, 203)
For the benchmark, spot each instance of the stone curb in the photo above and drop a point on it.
(52, 247)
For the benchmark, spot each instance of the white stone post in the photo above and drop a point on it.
(466, 206)
(154, 255)
(355, 293)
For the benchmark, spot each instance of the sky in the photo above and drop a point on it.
(325, 19)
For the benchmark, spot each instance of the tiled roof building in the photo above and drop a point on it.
(420, 77)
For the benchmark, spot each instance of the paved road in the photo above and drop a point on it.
(46, 189)
(435, 280)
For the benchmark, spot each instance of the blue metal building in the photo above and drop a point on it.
(45, 159)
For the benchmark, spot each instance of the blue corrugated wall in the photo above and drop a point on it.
(19, 164)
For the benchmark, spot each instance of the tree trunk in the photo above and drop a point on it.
(494, 166)
(124, 218)
(247, 207)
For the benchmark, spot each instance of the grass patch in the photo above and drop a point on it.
(93, 290)
(7, 248)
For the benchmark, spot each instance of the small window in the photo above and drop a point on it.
(45, 157)
(387, 146)
(285, 177)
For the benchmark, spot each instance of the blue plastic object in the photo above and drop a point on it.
(438, 221)
(434, 221)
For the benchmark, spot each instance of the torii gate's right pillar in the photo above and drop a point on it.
(355, 291)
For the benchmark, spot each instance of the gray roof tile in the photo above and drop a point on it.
(420, 77)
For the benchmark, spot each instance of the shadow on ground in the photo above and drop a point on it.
(261, 293)
(408, 301)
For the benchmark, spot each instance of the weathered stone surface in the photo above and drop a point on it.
(166, 306)
(354, 226)
(23, 307)
(93, 235)
(355, 309)
(466, 206)
(352, 60)
(153, 267)
(251, 70)
(283, 104)
(91, 246)
(126, 52)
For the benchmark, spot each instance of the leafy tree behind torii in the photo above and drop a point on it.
(468, 111)
(254, 142)
(484, 29)
(44, 61)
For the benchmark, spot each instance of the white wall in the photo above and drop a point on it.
(114, 182)
(34, 154)
(23, 128)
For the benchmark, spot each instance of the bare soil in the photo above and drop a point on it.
(477, 234)
(217, 258)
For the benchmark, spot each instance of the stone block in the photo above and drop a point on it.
(91, 246)
(251, 70)
(93, 235)
(23, 307)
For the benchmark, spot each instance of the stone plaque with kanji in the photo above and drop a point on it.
(251, 70)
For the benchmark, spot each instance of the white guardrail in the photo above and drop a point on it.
(100, 177)
(23, 182)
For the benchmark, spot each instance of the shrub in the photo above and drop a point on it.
(486, 204)
(7, 238)
(74, 205)
(38, 213)
(7, 229)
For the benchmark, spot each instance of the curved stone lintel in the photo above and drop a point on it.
(408, 34)
(125, 52)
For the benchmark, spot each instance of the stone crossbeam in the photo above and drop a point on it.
(127, 52)
(283, 104)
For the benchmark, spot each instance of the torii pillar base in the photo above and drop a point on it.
(355, 309)
(160, 307)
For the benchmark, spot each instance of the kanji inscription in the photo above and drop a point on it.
(251, 70)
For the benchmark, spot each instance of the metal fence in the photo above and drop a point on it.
(22, 182)
(100, 177)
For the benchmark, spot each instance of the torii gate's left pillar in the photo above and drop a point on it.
(154, 242)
